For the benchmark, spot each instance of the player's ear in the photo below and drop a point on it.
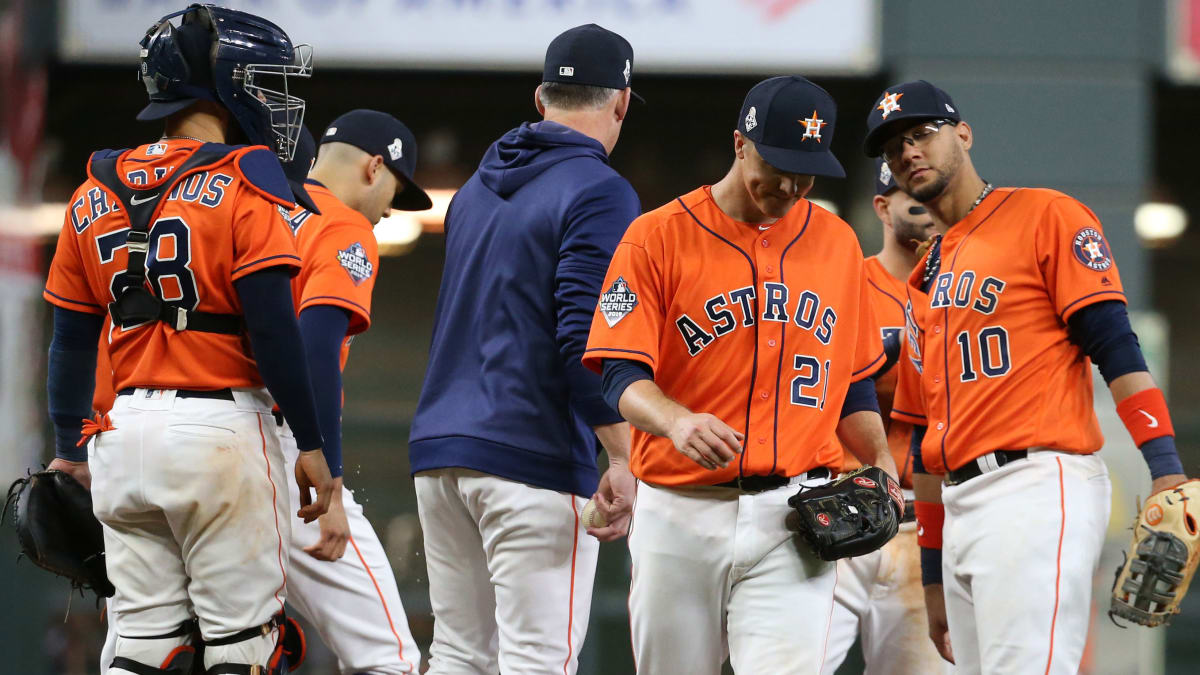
(880, 203)
(537, 101)
(373, 167)
(622, 104)
(965, 134)
(739, 144)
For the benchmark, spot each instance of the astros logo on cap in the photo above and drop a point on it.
(812, 127)
(889, 104)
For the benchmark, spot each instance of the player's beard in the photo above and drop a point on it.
(942, 177)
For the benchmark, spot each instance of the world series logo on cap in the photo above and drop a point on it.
(751, 119)
(396, 149)
(889, 104)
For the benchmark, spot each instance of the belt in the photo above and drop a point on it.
(225, 394)
(756, 484)
(984, 464)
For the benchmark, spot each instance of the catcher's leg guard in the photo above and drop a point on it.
(173, 652)
(262, 650)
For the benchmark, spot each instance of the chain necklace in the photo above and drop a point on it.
(191, 138)
(987, 190)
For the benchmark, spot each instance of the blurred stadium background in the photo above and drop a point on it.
(1097, 98)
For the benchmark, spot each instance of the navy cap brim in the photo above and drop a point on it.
(303, 199)
(156, 110)
(873, 144)
(412, 197)
(803, 162)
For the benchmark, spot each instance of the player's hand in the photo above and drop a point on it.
(1161, 483)
(614, 499)
(335, 529)
(939, 630)
(706, 440)
(313, 472)
(77, 470)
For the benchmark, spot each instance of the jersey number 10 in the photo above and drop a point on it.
(993, 357)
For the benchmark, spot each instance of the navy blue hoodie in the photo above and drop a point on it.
(528, 242)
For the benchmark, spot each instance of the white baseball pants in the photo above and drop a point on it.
(353, 602)
(1020, 549)
(510, 574)
(880, 594)
(193, 499)
(717, 572)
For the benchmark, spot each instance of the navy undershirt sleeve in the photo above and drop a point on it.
(861, 396)
(274, 332)
(1103, 332)
(618, 375)
(914, 448)
(71, 378)
(324, 329)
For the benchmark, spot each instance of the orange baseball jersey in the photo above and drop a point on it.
(340, 257)
(888, 295)
(997, 370)
(214, 227)
(763, 327)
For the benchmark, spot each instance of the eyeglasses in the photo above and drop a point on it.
(918, 137)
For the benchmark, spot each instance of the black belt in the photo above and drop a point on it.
(218, 394)
(972, 469)
(756, 484)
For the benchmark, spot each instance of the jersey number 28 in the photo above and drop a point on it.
(166, 263)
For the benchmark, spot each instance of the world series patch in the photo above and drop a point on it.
(354, 260)
(1091, 250)
(617, 302)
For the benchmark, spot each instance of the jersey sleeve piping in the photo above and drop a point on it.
(363, 315)
(870, 368)
(1090, 299)
(905, 416)
(285, 260)
(593, 357)
(68, 303)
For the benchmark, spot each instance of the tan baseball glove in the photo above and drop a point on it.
(1162, 559)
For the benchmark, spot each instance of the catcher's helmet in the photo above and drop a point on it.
(229, 57)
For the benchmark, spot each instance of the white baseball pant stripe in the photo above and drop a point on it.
(880, 595)
(353, 603)
(510, 574)
(1020, 550)
(189, 491)
(718, 573)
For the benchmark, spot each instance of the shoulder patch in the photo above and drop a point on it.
(1091, 250)
(617, 302)
(261, 168)
(354, 260)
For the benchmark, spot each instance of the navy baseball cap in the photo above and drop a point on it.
(885, 182)
(378, 133)
(590, 55)
(906, 103)
(791, 122)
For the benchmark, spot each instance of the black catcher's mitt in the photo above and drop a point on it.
(856, 514)
(57, 529)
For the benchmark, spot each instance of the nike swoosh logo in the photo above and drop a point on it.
(1153, 420)
(135, 201)
(764, 227)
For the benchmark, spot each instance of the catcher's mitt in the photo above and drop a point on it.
(57, 529)
(856, 514)
(1163, 556)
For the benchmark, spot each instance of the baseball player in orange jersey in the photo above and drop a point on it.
(735, 333)
(183, 241)
(1014, 301)
(353, 601)
(879, 595)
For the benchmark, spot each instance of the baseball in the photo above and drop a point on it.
(591, 516)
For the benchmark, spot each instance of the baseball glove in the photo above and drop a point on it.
(1163, 557)
(57, 529)
(856, 514)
